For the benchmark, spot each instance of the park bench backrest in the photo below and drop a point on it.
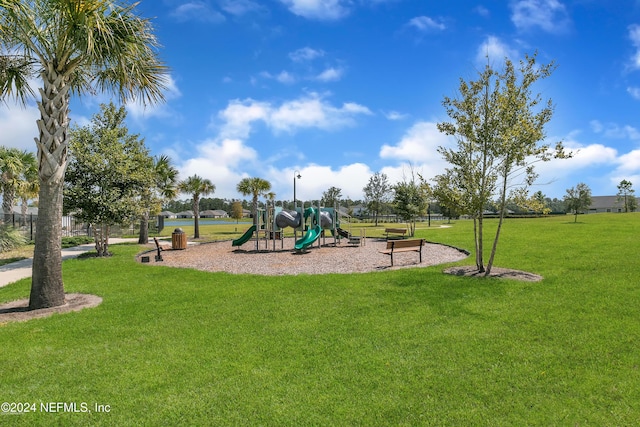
(397, 244)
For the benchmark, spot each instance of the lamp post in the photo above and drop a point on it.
(296, 175)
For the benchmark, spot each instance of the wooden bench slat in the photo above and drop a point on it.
(412, 245)
(400, 231)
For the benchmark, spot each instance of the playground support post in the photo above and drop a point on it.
(296, 175)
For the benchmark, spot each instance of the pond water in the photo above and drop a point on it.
(203, 221)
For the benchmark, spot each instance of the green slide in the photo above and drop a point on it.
(308, 239)
(245, 237)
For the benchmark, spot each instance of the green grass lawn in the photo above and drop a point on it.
(406, 347)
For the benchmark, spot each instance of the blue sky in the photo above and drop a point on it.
(341, 89)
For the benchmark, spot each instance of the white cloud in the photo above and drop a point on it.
(286, 77)
(240, 7)
(316, 179)
(305, 54)
(634, 92)
(395, 115)
(549, 15)
(634, 36)
(138, 110)
(418, 145)
(425, 23)
(322, 10)
(283, 77)
(482, 11)
(629, 163)
(239, 115)
(220, 161)
(588, 161)
(197, 11)
(330, 75)
(314, 112)
(615, 131)
(495, 50)
(310, 111)
(18, 126)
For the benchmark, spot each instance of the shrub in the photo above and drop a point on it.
(10, 238)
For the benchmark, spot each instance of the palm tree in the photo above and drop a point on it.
(16, 170)
(166, 180)
(74, 47)
(196, 186)
(29, 185)
(255, 187)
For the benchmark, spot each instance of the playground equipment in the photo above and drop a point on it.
(312, 222)
(288, 219)
(245, 237)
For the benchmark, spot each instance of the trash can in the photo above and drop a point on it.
(178, 239)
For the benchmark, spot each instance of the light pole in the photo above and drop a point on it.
(296, 175)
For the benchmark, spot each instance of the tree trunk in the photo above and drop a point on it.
(143, 239)
(7, 200)
(503, 208)
(23, 212)
(479, 245)
(47, 288)
(101, 238)
(196, 218)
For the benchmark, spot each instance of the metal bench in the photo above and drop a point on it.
(395, 246)
(160, 248)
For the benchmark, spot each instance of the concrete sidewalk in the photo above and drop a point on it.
(15, 271)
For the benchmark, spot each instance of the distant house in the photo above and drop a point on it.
(355, 210)
(31, 210)
(185, 214)
(167, 214)
(602, 204)
(215, 213)
(246, 213)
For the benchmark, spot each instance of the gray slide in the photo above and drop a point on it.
(288, 219)
(294, 219)
(325, 220)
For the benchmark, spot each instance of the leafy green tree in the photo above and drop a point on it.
(331, 197)
(254, 187)
(498, 125)
(577, 199)
(448, 196)
(196, 186)
(74, 47)
(410, 201)
(236, 210)
(377, 193)
(164, 187)
(626, 194)
(107, 173)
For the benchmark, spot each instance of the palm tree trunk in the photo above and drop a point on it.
(7, 200)
(23, 212)
(196, 218)
(47, 288)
